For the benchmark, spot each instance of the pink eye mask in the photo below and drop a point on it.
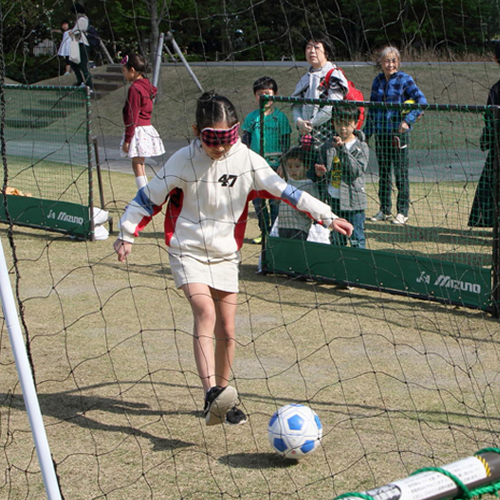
(215, 137)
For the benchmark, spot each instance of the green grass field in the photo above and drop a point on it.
(464, 83)
(438, 226)
(398, 383)
(49, 180)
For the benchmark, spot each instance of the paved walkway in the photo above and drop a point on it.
(425, 165)
(110, 158)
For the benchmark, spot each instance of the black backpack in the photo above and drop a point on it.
(93, 36)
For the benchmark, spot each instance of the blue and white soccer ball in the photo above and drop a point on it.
(295, 431)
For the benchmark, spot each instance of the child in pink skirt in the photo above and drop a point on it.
(140, 140)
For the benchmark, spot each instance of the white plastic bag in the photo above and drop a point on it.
(74, 52)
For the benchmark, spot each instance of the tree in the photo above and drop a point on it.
(264, 29)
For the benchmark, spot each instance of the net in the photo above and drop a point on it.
(432, 174)
(48, 152)
(399, 384)
(46, 138)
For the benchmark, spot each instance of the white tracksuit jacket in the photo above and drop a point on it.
(207, 208)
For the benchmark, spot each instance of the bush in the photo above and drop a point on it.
(31, 69)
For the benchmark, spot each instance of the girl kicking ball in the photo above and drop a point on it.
(208, 185)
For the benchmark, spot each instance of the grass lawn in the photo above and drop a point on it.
(394, 380)
(174, 111)
(49, 180)
(438, 226)
(398, 383)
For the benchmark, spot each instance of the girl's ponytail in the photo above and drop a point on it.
(136, 61)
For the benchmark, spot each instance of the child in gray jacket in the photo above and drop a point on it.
(342, 167)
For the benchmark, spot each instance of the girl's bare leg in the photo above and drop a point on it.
(139, 168)
(214, 313)
(202, 305)
(225, 343)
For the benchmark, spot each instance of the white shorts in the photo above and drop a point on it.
(146, 142)
(221, 275)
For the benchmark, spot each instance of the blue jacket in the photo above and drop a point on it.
(400, 88)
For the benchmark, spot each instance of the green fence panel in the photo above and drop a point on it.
(58, 216)
(49, 160)
(444, 251)
(414, 276)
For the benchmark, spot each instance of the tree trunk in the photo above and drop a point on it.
(155, 24)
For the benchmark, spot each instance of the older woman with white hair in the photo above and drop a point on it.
(391, 128)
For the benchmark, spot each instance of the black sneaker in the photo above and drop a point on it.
(235, 416)
(218, 401)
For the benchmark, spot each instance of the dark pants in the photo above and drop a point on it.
(265, 219)
(483, 208)
(81, 70)
(292, 234)
(392, 155)
(357, 219)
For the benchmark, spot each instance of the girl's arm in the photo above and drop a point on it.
(149, 200)
(316, 210)
(131, 113)
(271, 185)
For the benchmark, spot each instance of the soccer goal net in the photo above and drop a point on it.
(398, 384)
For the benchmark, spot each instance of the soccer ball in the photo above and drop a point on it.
(295, 431)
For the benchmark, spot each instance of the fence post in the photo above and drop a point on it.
(27, 383)
(495, 267)
(157, 67)
(170, 38)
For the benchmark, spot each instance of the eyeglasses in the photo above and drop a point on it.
(213, 137)
(124, 60)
